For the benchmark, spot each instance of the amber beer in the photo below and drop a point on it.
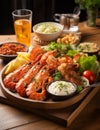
(22, 25)
(23, 31)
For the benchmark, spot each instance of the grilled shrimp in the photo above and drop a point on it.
(36, 53)
(46, 55)
(36, 89)
(23, 82)
(68, 72)
(36, 92)
(52, 62)
(12, 78)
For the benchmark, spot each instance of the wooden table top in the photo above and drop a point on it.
(13, 118)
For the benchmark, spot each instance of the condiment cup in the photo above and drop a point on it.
(58, 97)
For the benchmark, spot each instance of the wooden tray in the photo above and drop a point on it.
(62, 116)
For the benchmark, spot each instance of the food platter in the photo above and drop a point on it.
(48, 104)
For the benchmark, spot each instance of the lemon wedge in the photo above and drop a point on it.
(24, 55)
(22, 58)
(10, 67)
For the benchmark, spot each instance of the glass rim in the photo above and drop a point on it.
(22, 15)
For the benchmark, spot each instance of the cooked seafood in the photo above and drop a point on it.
(12, 78)
(31, 79)
(36, 53)
(29, 76)
(68, 72)
(36, 89)
(46, 55)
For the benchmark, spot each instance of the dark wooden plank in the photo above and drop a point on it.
(41, 125)
(12, 117)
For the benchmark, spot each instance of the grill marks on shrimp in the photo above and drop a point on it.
(27, 79)
(12, 78)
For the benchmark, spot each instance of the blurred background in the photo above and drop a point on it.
(43, 10)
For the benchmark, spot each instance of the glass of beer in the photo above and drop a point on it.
(22, 25)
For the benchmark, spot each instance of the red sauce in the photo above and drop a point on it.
(11, 48)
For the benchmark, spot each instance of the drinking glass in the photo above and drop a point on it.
(22, 25)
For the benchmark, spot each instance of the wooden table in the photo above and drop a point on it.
(13, 118)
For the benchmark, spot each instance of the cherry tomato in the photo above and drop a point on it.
(89, 75)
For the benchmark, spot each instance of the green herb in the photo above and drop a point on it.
(84, 48)
(67, 92)
(56, 75)
(61, 86)
(80, 48)
(86, 4)
(72, 52)
(79, 89)
(61, 47)
(88, 47)
(52, 46)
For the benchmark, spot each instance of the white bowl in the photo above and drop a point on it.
(48, 31)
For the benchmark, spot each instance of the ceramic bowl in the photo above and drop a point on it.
(57, 96)
(48, 31)
(89, 47)
(9, 52)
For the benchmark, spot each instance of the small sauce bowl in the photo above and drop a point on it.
(61, 90)
(89, 47)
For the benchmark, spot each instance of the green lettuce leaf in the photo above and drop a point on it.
(89, 63)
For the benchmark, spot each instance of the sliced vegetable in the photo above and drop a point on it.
(89, 75)
(22, 58)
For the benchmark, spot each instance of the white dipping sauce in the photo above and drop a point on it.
(61, 88)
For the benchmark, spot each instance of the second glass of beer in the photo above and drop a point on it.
(22, 25)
